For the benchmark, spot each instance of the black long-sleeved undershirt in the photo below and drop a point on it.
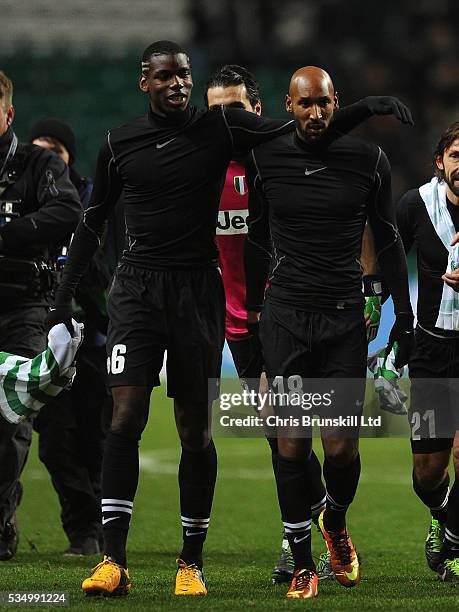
(171, 172)
(308, 209)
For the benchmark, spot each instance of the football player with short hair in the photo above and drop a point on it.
(315, 189)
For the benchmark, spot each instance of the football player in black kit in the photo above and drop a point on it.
(167, 292)
(316, 188)
(427, 219)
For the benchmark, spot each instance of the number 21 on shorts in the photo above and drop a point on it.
(115, 363)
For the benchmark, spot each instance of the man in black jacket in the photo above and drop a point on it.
(38, 207)
(70, 426)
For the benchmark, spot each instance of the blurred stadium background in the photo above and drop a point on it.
(80, 59)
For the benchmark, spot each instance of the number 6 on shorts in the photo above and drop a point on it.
(117, 360)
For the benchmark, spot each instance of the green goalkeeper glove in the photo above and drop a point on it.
(391, 397)
(372, 289)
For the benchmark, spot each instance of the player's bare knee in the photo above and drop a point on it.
(295, 449)
(130, 411)
(193, 424)
(340, 453)
(129, 419)
(195, 440)
(194, 436)
(430, 469)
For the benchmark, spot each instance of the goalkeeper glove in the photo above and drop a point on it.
(372, 289)
(382, 365)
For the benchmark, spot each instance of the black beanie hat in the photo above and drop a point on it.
(55, 128)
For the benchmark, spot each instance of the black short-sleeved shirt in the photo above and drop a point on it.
(315, 200)
(416, 230)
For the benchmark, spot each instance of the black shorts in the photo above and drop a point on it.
(318, 345)
(434, 407)
(313, 344)
(181, 311)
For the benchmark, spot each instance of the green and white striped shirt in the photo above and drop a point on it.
(28, 384)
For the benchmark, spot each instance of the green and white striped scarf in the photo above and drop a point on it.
(28, 384)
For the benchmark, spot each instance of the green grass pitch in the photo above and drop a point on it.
(386, 521)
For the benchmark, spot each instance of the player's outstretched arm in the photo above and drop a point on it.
(389, 105)
(87, 236)
(391, 259)
(248, 130)
(347, 118)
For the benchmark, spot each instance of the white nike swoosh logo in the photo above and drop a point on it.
(107, 520)
(160, 145)
(192, 533)
(298, 540)
(309, 172)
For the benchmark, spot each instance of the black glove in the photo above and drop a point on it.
(60, 314)
(389, 105)
(402, 333)
(254, 332)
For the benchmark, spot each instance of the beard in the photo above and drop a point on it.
(453, 183)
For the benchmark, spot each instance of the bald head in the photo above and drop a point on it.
(311, 77)
(312, 100)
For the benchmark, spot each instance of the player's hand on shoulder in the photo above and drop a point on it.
(389, 105)
(401, 338)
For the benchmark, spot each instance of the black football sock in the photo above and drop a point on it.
(436, 499)
(341, 488)
(197, 475)
(292, 491)
(120, 476)
(318, 494)
(273, 444)
(274, 452)
(450, 548)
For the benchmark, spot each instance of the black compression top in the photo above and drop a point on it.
(171, 171)
(416, 229)
(312, 203)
